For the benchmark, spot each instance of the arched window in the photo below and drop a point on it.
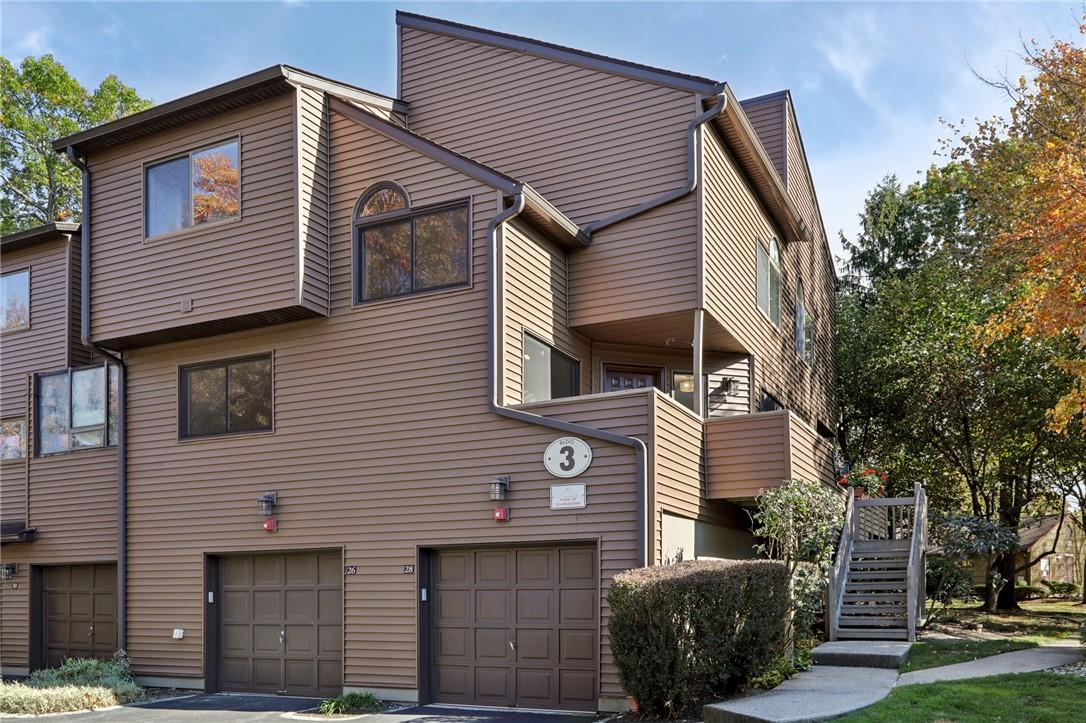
(805, 327)
(401, 250)
(382, 198)
(769, 281)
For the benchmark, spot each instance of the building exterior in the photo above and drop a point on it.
(1055, 550)
(388, 389)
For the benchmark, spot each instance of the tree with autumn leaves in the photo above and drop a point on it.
(962, 321)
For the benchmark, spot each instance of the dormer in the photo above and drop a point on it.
(209, 214)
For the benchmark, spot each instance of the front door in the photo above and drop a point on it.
(281, 623)
(617, 378)
(80, 611)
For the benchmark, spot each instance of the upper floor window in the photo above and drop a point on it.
(548, 373)
(769, 281)
(226, 397)
(77, 409)
(769, 403)
(400, 250)
(200, 187)
(15, 300)
(13, 438)
(804, 328)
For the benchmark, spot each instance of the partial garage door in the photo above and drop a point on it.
(281, 623)
(80, 612)
(516, 627)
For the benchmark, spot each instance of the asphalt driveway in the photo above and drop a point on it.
(221, 708)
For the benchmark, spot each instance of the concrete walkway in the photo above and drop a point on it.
(828, 691)
(1030, 660)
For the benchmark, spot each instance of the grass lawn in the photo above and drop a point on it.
(933, 653)
(1026, 698)
(1051, 619)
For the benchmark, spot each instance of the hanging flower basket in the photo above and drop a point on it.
(864, 482)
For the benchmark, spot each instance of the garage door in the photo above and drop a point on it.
(516, 627)
(281, 623)
(80, 612)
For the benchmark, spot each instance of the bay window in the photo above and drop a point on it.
(77, 409)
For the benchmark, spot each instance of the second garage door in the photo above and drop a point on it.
(517, 627)
(281, 623)
(80, 604)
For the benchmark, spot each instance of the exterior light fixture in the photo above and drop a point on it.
(9, 570)
(267, 503)
(686, 385)
(499, 488)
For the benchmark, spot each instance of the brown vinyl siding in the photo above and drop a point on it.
(381, 415)
(14, 619)
(228, 269)
(800, 186)
(536, 293)
(599, 142)
(734, 226)
(812, 455)
(313, 195)
(769, 116)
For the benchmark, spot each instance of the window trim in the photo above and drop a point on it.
(525, 333)
(182, 402)
(28, 269)
(24, 442)
(185, 231)
(107, 443)
(767, 313)
(361, 223)
(357, 216)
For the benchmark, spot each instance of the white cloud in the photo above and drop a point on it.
(34, 42)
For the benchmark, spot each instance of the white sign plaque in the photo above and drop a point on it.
(567, 457)
(569, 496)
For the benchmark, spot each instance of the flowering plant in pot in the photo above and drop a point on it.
(864, 481)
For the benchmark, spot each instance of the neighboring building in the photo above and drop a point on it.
(375, 312)
(1040, 535)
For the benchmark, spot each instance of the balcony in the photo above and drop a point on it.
(748, 453)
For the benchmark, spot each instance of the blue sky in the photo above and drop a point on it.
(870, 81)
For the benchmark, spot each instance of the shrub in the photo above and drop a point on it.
(685, 632)
(359, 702)
(1060, 589)
(1028, 592)
(78, 684)
(947, 580)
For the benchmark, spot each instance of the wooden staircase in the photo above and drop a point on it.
(877, 583)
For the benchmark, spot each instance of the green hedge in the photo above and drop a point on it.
(78, 684)
(683, 633)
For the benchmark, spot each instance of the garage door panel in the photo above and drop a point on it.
(535, 607)
(104, 606)
(493, 568)
(80, 605)
(577, 647)
(516, 626)
(57, 604)
(536, 647)
(492, 646)
(281, 627)
(82, 577)
(577, 606)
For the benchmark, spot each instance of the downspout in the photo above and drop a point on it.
(495, 319)
(692, 167)
(122, 421)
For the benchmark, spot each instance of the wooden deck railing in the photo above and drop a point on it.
(839, 573)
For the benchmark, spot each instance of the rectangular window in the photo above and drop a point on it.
(199, 187)
(13, 438)
(424, 252)
(809, 339)
(226, 397)
(548, 373)
(769, 281)
(770, 403)
(77, 409)
(15, 300)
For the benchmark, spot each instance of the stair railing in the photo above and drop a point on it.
(917, 591)
(839, 573)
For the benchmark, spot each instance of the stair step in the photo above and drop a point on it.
(851, 597)
(878, 575)
(873, 634)
(866, 608)
(882, 564)
(881, 545)
(887, 586)
(857, 621)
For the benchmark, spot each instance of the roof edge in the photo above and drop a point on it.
(38, 234)
(561, 53)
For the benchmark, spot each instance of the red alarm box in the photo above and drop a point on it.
(501, 514)
(269, 524)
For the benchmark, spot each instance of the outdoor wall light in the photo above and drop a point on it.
(499, 487)
(686, 385)
(267, 503)
(9, 570)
